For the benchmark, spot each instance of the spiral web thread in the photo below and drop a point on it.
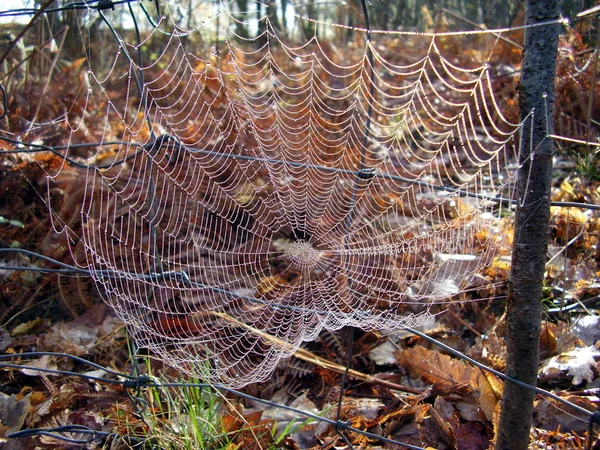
(279, 205)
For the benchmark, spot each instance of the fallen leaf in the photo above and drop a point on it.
(464, 435)
(28, 327)
(552, 415)
(575, 365)
(491, 351)
(5, 340)
(443, 372)
(587, 329)
(12, 414)
(472, 436)
(490, 392)
(74, 338)
(384, 354)
(468, 408)
(44, 362)
(445, 414)
(548, 344)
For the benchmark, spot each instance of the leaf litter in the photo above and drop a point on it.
(449, 404)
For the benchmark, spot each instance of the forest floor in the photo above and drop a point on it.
(402, 387)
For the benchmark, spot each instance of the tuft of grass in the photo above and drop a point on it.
(193, 417)
(185, 418)
(587, 163)
(173, 418)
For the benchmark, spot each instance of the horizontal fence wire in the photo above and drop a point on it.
(83, 5)
(136, 383)
(183, 278)
(422, 335)
(170, 142)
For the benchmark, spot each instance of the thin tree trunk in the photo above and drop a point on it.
(284, 24)
(530, 243)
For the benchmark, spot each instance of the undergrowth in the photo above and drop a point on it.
(199, 418)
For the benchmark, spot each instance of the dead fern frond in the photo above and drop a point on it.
(75, 294)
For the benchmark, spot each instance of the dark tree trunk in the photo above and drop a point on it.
(531, 224)
(241, 24)
(262, 25)
(284, 24)
(272, 14)
(308, 27)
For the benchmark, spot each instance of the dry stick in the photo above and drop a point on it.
(588, 125)
(36, 50)
(46, 84)
(464, 323)
(575, 141)
(26, 29)
(307, 356)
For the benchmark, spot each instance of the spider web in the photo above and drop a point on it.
(273, 190)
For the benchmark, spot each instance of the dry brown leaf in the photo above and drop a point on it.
(232, 422)
(465, 435)
(12, 413)
(402, 416)
(548, 342)
(490, 393)
(472, 436)
(254, 418)
(490, 351)
(447, 419)
(29, 327)
(568, 223)
(76, 65)
(552, 415)
(500, 268)
(443, 372)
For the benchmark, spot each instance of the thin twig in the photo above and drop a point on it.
(25, 29)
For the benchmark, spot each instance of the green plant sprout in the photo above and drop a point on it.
(14, 223)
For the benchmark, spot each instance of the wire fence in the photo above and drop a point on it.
(167, 142)
(135, 385)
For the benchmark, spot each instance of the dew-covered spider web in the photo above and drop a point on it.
(265, 190)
